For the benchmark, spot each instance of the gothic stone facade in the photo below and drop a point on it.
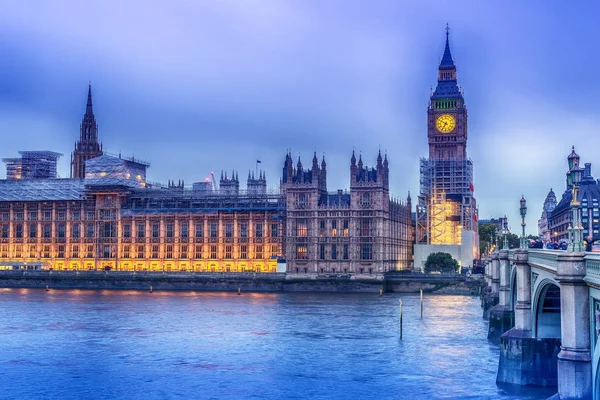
(363, 231)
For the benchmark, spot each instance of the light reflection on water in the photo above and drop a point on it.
(133, 344)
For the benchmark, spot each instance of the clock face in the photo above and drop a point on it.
(445, 123)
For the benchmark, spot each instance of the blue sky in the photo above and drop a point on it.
(200, 86)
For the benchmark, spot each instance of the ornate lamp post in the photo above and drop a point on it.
(576, 242)
(505, 243)
(523, 210)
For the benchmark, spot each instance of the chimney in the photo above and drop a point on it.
(587, 171)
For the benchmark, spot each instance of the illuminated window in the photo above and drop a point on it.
(301, 252)
(274, 230)
(346, 227)
(258, 230)
(46, 252)
(214, 231)
(170, 229)
(184, 229)
(107, 251)
(274, 250)
(228, 251)
(258, 252)
(228, 230)
(19, 251)
(155, 250)
(213, 252)
(32, 251)
(126, 251)
(334, 252)
(198, 252)
(4, 251)
(90, 251)
(169, 251)
(302, 228)
(199, 230)
(243, 251)
(183, 253)
(333, 228)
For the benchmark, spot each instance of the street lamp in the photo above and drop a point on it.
(523, 210)
(505, 244)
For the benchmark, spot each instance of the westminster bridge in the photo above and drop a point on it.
(544, 310)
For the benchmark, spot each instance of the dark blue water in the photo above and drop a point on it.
(124, 344)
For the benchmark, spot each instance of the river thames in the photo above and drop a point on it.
(79, 344)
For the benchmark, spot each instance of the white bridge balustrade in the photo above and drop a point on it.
(547, 320)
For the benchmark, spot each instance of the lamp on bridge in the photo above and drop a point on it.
(575, 232)
(505, 243)
(523, 210)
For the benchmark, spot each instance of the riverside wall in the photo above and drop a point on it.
(246, 282)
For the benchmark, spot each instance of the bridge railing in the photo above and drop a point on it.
(545, 259)
(592, 268)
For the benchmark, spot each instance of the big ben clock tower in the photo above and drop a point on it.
(447, 113)
(447, 211)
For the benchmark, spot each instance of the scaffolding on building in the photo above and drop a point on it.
(32, 165)
(446, 205)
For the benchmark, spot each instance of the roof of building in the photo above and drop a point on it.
(41, 189)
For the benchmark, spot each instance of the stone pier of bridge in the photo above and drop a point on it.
(544, 312)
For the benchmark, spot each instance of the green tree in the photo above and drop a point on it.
(487, 236)
(513, 241)
(441, 262)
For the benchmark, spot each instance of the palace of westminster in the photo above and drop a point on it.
(107, 216)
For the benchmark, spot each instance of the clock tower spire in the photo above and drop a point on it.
(447, 113)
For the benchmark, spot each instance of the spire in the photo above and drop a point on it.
(315, 160)
(360, 163)
(88, 107)
(447, 61)
(323, 163)
(353, 159)
(379, 159)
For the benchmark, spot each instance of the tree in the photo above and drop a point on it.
(487, 236)
(513, 241)
(441, 262)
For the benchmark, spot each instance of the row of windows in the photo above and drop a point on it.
(108, 229)
(198, 251)
(334, 252)
(60, 215)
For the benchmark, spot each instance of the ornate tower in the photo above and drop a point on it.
(447, 211)
(88, 145)
(447, 113)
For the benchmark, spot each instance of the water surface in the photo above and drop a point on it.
(76, 344)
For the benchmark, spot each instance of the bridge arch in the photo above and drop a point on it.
(545, 309)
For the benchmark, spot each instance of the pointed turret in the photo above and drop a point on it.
(88, 107)
(353, 159)
(360, 163)
(447, 61)
(315, 161)
(323, 164)
(379, 160)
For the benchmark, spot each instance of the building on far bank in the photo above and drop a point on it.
(544, 232)
(361, 231)
(561, 217)
(446, 209)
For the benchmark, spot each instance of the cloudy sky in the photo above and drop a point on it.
(197, 86)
